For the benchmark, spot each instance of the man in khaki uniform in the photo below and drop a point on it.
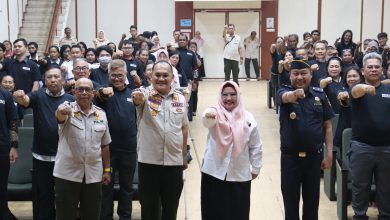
(161, 141)
(83, 157)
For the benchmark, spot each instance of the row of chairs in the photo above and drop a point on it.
(337, 180)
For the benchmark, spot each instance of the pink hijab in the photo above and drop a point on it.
(231, 126)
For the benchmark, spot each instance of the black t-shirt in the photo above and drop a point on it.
(137, 66)
(332, 90)
(341, 46)
(182, 77)
(100, 76)
(45, 124)
(319, 74)
(276, 57)
(284, 78)
(121, 116)
(7, 114)
(187, 62)
(302, 123)
(25, 73)
(343, 123)
(370, 117)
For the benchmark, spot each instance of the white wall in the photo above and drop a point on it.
(386, 17)
(297, 17)
(157, 16)
(372, 19)
(15, 11)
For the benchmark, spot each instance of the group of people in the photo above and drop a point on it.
(93, 109)
(315, 81)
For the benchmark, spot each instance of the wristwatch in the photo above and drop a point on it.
(107, 170)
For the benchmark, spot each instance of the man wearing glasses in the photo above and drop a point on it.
(370, 145)
(83, 160)
(122, 121)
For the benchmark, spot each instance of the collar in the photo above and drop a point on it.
(62, 92)
(78, 111)
(25, 59)
(55, 61)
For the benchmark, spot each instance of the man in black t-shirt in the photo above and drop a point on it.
(8, 145)
(370, 146)
(25, 72)
(44, 103)
(122, 121)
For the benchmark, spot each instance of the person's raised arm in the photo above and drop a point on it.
(22, 98)
(292, 96)
(360, 90)
(327, 162)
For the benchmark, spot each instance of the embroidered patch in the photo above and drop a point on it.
(317, 101)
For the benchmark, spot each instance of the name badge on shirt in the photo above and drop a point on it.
(133, 65)
(26, 68)
(2, 101)
(177, 105)
(129, 99)
(189, 53)
(385, 95)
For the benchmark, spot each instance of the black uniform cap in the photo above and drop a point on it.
(299, 63)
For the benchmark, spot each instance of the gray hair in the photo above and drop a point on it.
(117, 63)
(372, 55)
(78, 60)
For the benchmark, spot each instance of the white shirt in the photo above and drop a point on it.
(251, 48)
(230, 51)
(69, 66)
(235, 170)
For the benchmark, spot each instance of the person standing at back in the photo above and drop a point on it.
(232, 52)
(251, 45)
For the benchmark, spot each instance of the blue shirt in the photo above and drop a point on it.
(302, 123)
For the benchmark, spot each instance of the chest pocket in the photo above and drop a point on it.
(98, 130)
(177, 115)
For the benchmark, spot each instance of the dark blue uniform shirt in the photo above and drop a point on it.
(25, 73)
(100, 76)
(301, 123)
(187, 62)
(319, 74)
(7, 114)
(332, 90)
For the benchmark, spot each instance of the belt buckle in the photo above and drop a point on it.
(302, 154)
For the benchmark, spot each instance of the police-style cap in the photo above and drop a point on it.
(299, 63)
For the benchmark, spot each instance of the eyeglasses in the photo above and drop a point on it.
(83, 89)
(117, 75)
(81, 69)
(373, 66)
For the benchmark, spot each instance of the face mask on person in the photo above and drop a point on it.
(104, 60)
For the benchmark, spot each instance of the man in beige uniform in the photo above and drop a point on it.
(162, 141)
(232, 52)
(83, 157)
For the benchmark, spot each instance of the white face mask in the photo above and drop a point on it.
(104, 60)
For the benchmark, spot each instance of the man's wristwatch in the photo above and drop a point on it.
(107, 170)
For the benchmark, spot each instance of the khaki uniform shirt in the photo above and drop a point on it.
(160, 120)
(81, 137)
(69, 41)
(251, 47)
(230, 51)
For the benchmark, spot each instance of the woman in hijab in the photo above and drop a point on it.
(100, 40)
(162, 54)
(232, 159)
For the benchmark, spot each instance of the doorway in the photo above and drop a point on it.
(211, 22)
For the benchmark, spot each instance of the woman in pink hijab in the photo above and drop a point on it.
(233, 157)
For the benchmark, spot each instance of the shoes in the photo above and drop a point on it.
(193, 113)
(258, 78)
(189, 157)
(248, 79)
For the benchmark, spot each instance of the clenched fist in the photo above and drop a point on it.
(300, 93)
(108, 91)
(65, 109)
(138, 97)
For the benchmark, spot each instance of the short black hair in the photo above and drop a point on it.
(133, 26)
(2, 46)
(382, 34)
(104, 48)
(55, 47)
(33, 43)
(315, 31)
(22, 40)
(55, 66)
(62, 50)
(127, 42)
(75, 46)
(91, 49)
(163, 62)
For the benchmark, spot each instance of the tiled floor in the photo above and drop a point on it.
(266, 198)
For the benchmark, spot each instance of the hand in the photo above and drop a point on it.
(254, 176)
(285, 39)
(133, 73)
(19, 95)
(138, 97)
(343, 96)
(358, 44)
(211, 115)
(273, 46)
(338, 39)
(70, 83)
(300, 93)
(123, 36)
(65, 109)
(386, 81)
(327, 162)
(13, 155)
(370, 90)
(386, 48)
(225, 27)
(64, 69)
(106, 179)
(281, 62)
(119, 53)
(314, 67)
(328, 80)
(108, 91)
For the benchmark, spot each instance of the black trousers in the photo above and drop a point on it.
(255, 63)
(4, 172)
(194, 101)
(301, 173)
(125, 164)
(157, 182)
(231, 66)
(43, 190)
(224, 200)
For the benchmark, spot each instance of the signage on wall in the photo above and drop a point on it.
(185, 22)
(270, 24)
